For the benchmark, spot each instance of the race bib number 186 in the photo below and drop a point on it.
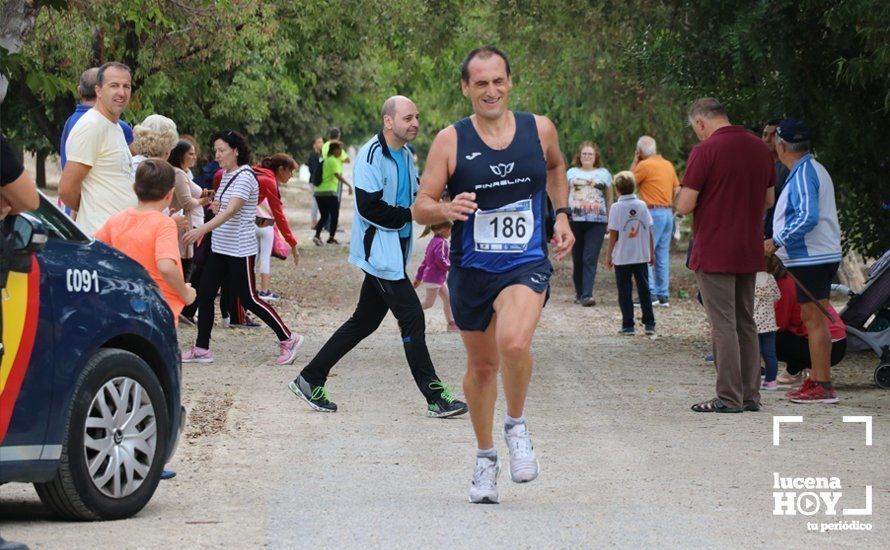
(506, 229)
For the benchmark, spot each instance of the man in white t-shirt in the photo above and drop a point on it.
(631, 252)
(97, 180)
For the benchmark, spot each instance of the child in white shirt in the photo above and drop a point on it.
(630, 252)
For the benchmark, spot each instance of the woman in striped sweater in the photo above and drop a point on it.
(233, 250)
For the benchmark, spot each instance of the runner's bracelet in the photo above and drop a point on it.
(564, 210)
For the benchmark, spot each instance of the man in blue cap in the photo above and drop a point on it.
(807, 238)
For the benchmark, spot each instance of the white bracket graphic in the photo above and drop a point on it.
(865, 420)
(861, 511)
(778, 420)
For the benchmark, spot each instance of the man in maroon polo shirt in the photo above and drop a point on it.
(729, 183)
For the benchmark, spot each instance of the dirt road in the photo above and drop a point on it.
(624, 462)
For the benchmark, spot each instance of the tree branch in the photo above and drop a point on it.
(37, 113)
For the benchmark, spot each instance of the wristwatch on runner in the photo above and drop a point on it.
(564, 210)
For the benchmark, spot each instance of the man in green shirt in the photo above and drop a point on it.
(326, 193)
(334, 135)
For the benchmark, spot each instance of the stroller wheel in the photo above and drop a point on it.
(882, 376)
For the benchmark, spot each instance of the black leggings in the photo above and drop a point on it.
(378, 296)
(240, 275)
(585, 255)
(196, 270)
(795, 350)
(328, 212)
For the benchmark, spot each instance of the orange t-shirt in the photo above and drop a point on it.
(146, 237)
(656, 181)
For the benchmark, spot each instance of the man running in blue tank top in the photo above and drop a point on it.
(499, 166)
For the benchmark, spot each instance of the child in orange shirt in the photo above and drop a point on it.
(149, 236)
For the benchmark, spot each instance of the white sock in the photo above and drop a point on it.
(509, 421)
(487, 453)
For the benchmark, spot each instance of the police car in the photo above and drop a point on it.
(90, 377)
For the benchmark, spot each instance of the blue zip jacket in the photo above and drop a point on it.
(375, 246)
(805, 226)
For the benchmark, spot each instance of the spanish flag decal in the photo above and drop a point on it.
(21, 309)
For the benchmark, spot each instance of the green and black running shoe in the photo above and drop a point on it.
(315, 396)
(445, 405)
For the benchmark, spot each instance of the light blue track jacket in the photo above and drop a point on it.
(375, 246)
(805, 226)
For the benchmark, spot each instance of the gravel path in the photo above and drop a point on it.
(624, 461)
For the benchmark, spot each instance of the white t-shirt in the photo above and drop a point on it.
(587, 194)
(237, 237)
(630, 217)
(108, 186)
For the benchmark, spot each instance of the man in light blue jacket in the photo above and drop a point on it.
(385, 183)
(807, 238)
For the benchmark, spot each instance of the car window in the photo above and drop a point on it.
(58, 225)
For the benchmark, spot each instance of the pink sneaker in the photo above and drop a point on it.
(769, 386)
(197, 355)
(289, 349)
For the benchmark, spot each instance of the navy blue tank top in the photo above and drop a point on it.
(510, 186)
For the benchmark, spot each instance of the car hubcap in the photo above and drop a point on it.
(120, 437)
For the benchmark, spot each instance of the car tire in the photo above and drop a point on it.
(73, 493)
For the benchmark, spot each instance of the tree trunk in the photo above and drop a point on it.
(851, 272)
(18, 153)
(16, 23)
(97, 52)
(41, 169)
(50, 128)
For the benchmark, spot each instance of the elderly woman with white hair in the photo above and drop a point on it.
(154, 138)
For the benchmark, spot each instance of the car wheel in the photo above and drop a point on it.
(115, 442)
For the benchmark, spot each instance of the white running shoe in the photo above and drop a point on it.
(484, 488)
(523, 462)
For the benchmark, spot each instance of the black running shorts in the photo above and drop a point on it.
(815, 278)
(473, 291)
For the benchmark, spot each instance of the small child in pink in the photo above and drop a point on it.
(433, 271)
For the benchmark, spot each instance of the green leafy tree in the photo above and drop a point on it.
(821, 61)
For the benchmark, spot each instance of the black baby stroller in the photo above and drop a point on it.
(867, 317)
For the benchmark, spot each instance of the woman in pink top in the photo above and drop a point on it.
(434, 270)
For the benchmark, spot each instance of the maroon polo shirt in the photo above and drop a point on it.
(731, 170)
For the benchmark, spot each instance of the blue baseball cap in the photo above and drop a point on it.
(793, 131)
